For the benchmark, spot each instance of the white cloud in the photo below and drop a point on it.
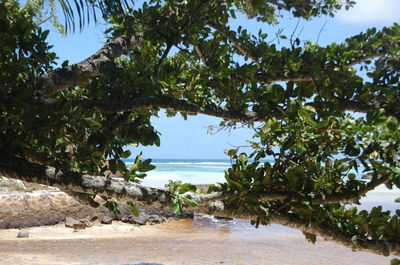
(372, 12)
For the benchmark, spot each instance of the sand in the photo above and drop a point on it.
(199, 241)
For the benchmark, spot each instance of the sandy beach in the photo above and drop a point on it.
(198, 241)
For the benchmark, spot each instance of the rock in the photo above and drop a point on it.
(127, 219)
(11, 184)
(154, 219)
(86, 222)
(187, 215)
(39, 207)
(140, 220)
(23, 234)
(94, 218)
(397, 200)
(73, 223)
(167, 213)
(97, 217)
(106, 220)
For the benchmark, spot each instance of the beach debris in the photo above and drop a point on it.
(73, 223)
(23, 234)
(106, 220)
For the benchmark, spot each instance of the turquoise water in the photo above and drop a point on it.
(196, 171)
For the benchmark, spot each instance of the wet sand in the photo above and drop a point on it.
(199, 241)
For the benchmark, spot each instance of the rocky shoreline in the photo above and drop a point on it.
(27, 205)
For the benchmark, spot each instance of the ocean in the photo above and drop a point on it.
(195, 171)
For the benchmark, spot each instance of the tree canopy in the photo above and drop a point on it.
(320, 113)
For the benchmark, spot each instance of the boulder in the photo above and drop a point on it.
(23, 234)
(107, 220)
(97, 217)
(8, 184)
(140, 220)
(397, 200)
(155, 219)
(40, 207)
(73, 223)
(127, 219)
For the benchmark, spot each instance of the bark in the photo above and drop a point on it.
(175, 105)
(77, 182)
(75, 74)
(123, 105)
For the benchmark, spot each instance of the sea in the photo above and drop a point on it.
(195, 171)
(211, 171)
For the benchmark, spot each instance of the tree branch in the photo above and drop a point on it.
(293, 196)
(217, 208)
(200, 54)
(122, 105)
(73, 75)
(77, 182)
(335, 198)
(265, 78)
(377, 247)
(175, 105)
(83, 186)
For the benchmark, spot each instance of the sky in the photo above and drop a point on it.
(189, 139)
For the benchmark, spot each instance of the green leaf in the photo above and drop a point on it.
(187, 187)
(126, 154)
(243, 158)
(174, 185)
(352, 176)
(133, 207)
(395, 261)
(189, 202)
(112, 206)
(176, 207)
(93, 123)
(213, 188)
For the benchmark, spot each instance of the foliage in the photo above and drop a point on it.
(177, 189)
(138, 166)
(191, 60)
(112, 206)
(134, 208)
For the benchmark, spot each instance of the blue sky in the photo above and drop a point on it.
(189, 139)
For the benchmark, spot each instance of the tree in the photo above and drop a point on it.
(67, 127)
